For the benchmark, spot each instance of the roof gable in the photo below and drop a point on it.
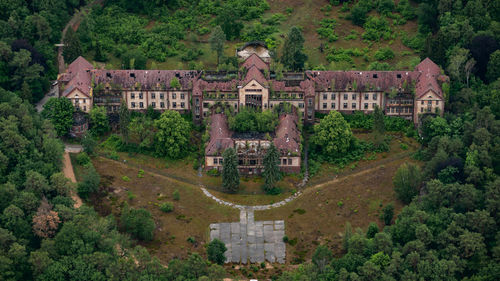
(254, 74)
(255, 60)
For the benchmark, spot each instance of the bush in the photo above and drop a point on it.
(140, 174)
(387, 214)
(213, 172)
(384, 54)
(125, 178)
(90, 182)
(377, 28)
(215, 251)
(82, 159)
(167, 207)
(138, 222)
(176, 195)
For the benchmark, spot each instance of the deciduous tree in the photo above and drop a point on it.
(99, 123)
(72, 47)
(45, 221)
(332, 136)
(138, 222)
(215, 251)
(60, 113)
(407, 181)
(172, 137)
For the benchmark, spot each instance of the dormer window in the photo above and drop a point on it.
(375, 75)
(398, 76)
(108, 74)
(132, 75)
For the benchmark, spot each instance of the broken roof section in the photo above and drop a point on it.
(287, 139)
(145, 79)
(220, 135)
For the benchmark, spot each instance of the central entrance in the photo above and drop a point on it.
(254, 101)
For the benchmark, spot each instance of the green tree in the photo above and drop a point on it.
(215, 251)
(293, 57)
(90, 182)
(72, 47)
(134, 59)
(124, 115)
(230, 174)
(322, 257)
(88, 143)
(332, 136)
(493, 72)
(172, 137)
(138, 222)
(142, 132)
(217, 39)
(60, 113)
(407, 182)
(99, 123)
(387, 214)
(378, 127)
(372, 230)
(228, 20)
(174, 83)
(271, 169)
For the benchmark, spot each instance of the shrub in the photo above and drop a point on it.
(113, 155)
(191, 240)
(90, 182)
(387, 214)
(215, 251)
(167, 207)
(176, 195)
(384, 54)
(82, 159)
(130, 195)
(125, 178)
(138, 222)
(285, 239)
(140, 174)
(377, 28)
(213, 172)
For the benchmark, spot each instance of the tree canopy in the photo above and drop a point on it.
(230, 174)
(60, 113)
(172, 137)
(293, 57)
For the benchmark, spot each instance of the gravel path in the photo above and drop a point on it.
(68, 172)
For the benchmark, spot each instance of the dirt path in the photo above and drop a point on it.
(369, 168)
(68, 172)
(74, 22)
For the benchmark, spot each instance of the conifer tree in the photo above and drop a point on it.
(124, 120)
(271, 168)
(217, 39)
(230, 174)
(293, 57)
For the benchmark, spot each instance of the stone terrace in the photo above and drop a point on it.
(250, 241)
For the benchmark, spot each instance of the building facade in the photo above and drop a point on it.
(407, 94)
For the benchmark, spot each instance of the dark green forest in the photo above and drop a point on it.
(448, 231)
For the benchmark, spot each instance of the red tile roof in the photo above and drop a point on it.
(287, 138)
(254, 74)
(255, 60)
(428, 79)
(77, 76)
(220, 135)
(147, 79)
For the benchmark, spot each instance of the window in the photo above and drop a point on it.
(367, 96)
(221, 160)
(422, 102)
(353, 106)
(235, 106)
(375, 75)
(162, 104)
(174, 104)
(373, 105)
(161, 96)
(324, 105)
(215, 161)
(333, 105)
(334, 96)
(205, 104)
(392, 109)
(366, 106)
(346, 96)
(76, 101)
(325, 96)
(141, 104)
(309, 102)
(153, 95)
(301, 105)
(182, 96)
(182, 104)
(84, 108)
(284, 161)
(132, 104)
(437, 102)
(398, 76)
(429, 102)
(132, 95)
(374, 96)
(345, 104)
(354, 96)
(174, 96)
(140, 95)
(153, 104)
(253, 162)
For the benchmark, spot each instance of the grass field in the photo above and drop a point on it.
(306, 14)
(333, 197)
